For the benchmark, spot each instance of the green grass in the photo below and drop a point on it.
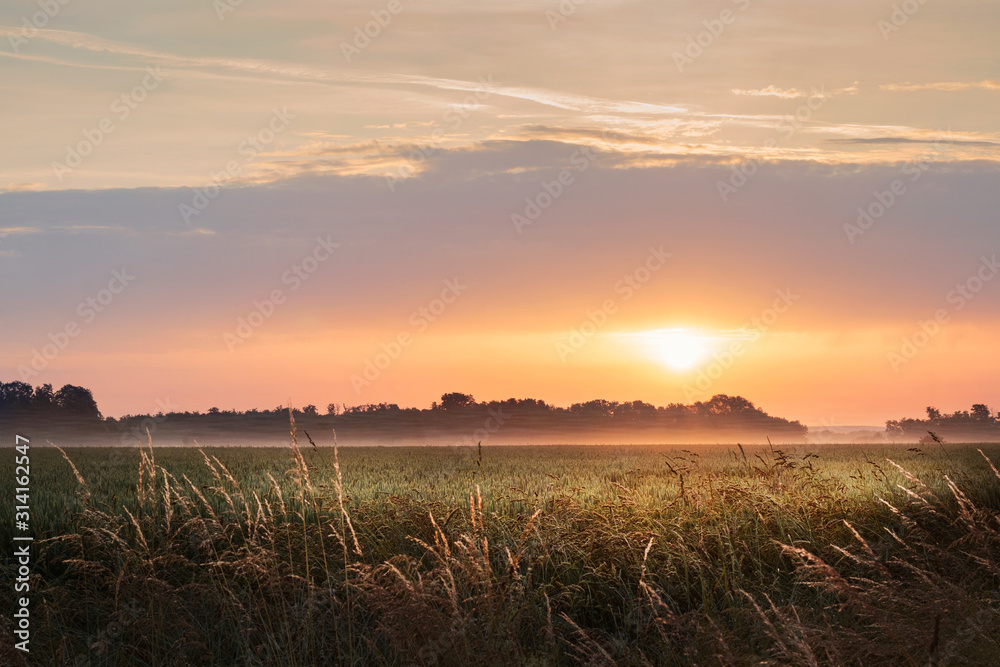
(545, 555)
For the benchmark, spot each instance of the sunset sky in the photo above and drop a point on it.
(240, 205)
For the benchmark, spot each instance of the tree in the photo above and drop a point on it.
(456, 400)
(933, 413)
(77, 401)
(44, 399)
(981, 413)
(16, 396)
(721, 404)
(635, 411)
(309, 410)
(598, 407)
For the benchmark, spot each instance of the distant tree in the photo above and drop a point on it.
(16, 396)
(981, 413)
(933, 413)
(456, 400)
(213, 411)
(596, 408)
(721, 404)
(77, 401)
(332, 409)
(635, 411)
(309, 410)
(44, 399)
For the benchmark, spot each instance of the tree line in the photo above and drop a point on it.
(76, 404)
(21, 400)
(978, 423)
(454, 410)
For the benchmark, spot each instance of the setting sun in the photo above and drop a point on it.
(679, 349)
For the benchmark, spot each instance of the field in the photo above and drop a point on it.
(557, 555)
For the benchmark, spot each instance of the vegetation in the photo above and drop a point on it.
(460, 417)
(511, 555)
(968, 425)
(20, 401)
(40, 414)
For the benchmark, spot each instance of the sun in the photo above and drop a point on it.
(680, 349)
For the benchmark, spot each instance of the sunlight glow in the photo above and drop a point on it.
(680, 349)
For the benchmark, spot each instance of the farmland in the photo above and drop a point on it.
(306, 555)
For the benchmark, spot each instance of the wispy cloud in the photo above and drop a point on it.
(551, 98)
(86, 229)
(795, 93)
(20, 230)
(770, 91)
(911, 140)
(944, 86)
(22, 187)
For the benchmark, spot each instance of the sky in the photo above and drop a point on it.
(250, 204)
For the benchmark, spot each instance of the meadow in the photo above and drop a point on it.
(554, 555)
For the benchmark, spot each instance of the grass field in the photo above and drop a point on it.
(831, 555)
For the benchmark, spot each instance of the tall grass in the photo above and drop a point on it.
(559, 555)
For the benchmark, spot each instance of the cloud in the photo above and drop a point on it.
(83, 229)
(20, 230)
(456, 220)
(795, 93)
(944, 86)
(770, 91)
(551, 98)
(22, 187)
(910, 140)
